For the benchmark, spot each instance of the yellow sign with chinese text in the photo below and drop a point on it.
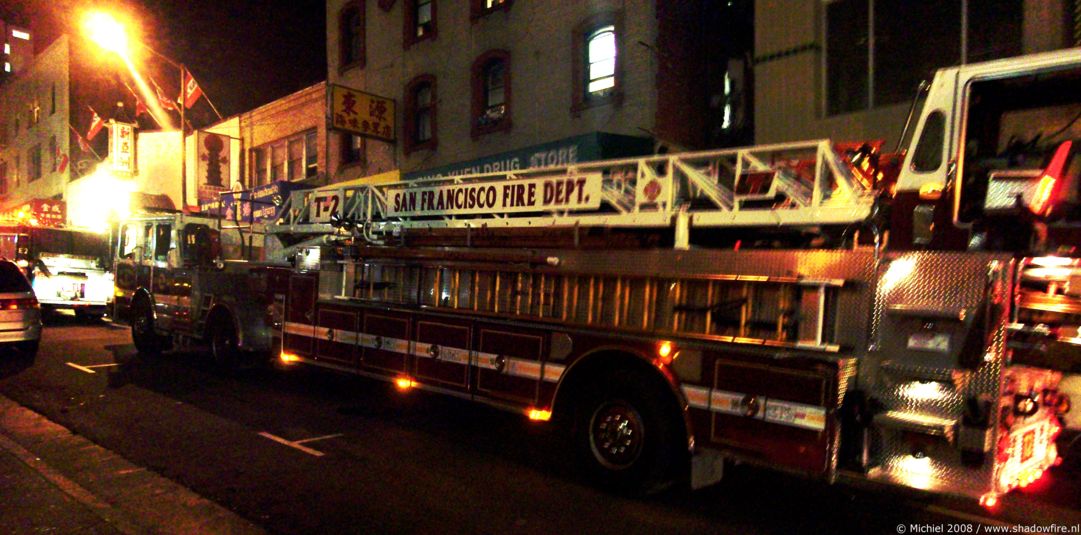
(360, 113)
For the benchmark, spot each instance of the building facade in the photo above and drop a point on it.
(849, 69)
(477, 82)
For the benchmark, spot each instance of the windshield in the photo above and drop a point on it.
(69, 242)
(11, 279)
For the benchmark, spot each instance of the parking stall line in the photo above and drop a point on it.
(294, 444)
(313, 439)
(89, 367)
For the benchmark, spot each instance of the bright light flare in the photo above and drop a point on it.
(99, 199)
(666, 352)
(989, 501)
(288, 358)
(404, 383)
(107, 32)
(899, 271)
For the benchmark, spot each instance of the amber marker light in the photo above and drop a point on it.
(539, 415)
(989, 501)
(667, 352)
(289, 358)
(404, 383)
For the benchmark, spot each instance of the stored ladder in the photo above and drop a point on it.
(789, 185)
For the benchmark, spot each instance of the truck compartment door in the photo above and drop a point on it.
(509, 363)
(299, 326)
(441, 352)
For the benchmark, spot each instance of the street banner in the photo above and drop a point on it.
(213, 165)
(579, 191)
(122, 148)
(360, 113)
(260, 204)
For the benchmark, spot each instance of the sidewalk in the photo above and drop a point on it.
(54, 481)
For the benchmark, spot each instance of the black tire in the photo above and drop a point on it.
(224, 345)
(625, 435)
(147, 342)
(28, 349)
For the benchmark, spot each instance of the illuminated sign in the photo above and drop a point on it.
(560, 192)
(38, 213)
(360, 113)
(122, 148)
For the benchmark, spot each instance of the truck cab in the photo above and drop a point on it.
(177, 283)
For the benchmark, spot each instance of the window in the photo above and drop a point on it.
(419, 21)
(293, 158)
(491, 92)
(53, 153)
(163, 242)
(352, 35)
(3, 178)
(481, 8)
(352, 149)
(420, 104)
(878, 51)
(277, 163)
(259, 169)
(597, 62)
(928, 154)
(601, 58)
(296, 159)
(34, 160)
(311, 154)
(52, 100)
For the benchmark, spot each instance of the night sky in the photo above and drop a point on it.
(244, 53)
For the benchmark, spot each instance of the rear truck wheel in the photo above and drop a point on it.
(224, 345)
(147, 342)
(623, 436)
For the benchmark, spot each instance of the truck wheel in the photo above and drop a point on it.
(223, 343)
(624, 437)
(147, 342)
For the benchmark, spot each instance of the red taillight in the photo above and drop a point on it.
(1047, 187)
(19, 303)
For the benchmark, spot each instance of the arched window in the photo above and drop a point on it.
(597, 42)
(491, 92)
(601, 55)
(351, 35)
(420, 113)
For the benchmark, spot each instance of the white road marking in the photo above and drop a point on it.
(313, 439)
(88, 367)
(294, 445)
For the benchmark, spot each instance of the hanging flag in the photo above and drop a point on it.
(192, 91)
(96, 124)
(83, 145)
(61, 159)
(164, 101)
(140, 108)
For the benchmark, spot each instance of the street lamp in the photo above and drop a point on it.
(111, 35)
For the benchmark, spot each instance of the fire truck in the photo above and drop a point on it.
(826, 309)
(68, 268)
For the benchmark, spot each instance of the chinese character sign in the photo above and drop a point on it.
(122, 147)
(361, 113)
(214, 165)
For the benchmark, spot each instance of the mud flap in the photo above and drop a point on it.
(707, 468)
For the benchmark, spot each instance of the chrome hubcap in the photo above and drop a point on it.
(616, 435)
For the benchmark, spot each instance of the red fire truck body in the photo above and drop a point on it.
(831, 312)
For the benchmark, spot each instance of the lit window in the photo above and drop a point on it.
(7, 67)
(7, 48)
(352, 149)
(20, 35)
(491, 92)
(601, 53)
(311, 155)
(493, 3)
(424, 17)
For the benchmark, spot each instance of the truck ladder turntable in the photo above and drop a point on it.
(792, 185)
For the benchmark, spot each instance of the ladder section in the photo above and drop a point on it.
(794, 184)
(776, 311)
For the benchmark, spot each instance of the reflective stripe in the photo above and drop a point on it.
(300, 329)
(553, 372)
(442, 353)
(775, 411)
(697, 396)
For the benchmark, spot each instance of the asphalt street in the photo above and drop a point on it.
(307, 451)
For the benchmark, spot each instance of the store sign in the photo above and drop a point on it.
(560, 192)
(360, 113)
(122, 148)
(213, 166)
(38, 213)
